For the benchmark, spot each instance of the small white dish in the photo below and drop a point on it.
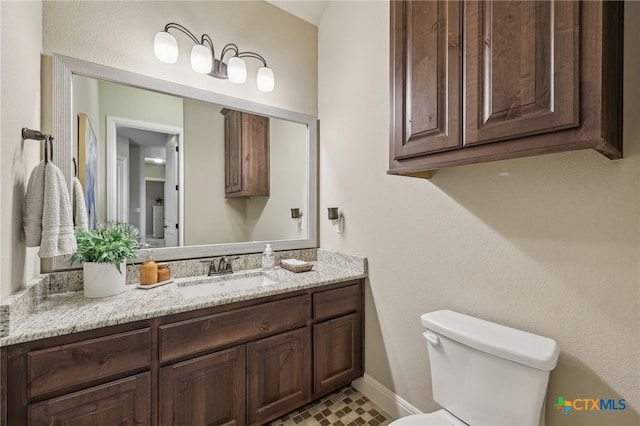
(158, 284)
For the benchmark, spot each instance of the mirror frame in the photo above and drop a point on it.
(62, 70)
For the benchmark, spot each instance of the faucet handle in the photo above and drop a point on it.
(225, 263)
(210, 264)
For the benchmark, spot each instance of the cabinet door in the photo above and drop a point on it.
(255, 155)
(279, 375)
(426, 77)
(232, 152)
(208, 390)
(246, 154)
(123, 402)
(521, 62)
(337, 353)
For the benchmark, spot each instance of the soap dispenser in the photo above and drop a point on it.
(267, 258)
(149, 271)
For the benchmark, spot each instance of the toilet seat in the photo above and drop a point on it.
(437, 418)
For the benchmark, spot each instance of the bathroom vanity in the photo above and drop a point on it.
(243, 357)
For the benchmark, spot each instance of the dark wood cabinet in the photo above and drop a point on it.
(279, 375)
(539, 77)
(426, 83)
(211, 332)
(96, 377)
(337, 354)
(246, 147)
(522, 68)
(123, 402)
(248, 362)
(338, 337)
(59, 367)
(208, 390)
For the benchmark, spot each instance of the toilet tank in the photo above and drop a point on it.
(486, 373)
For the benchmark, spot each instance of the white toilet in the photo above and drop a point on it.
(484, 373)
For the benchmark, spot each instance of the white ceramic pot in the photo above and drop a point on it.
(103, 279)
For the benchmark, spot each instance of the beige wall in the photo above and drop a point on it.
(120, 34)
(552, 248)
(209, 217)
(20, 44)
(212, 218)
(269, 218)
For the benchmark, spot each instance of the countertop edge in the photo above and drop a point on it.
(37, 324)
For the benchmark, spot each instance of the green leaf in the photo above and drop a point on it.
(113, 242)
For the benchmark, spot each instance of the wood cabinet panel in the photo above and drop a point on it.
(244, 363)
(213, 331)
(59, 367)
(327, 304)
(521, 68)
(337, 352)
(540, 77)
(246, 144)
(279, 375)
(208, 390)
(123, 402)
(426, 83)
(233, 153)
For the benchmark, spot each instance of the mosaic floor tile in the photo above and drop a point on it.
(346, 407)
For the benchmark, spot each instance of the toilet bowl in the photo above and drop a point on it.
(437, 418)
(484, 373)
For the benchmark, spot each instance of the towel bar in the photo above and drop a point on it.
(37, 135)
(33, 134)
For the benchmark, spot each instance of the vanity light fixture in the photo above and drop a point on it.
(336, 219)
(203, 58)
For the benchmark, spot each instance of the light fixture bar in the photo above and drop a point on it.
(203, 58)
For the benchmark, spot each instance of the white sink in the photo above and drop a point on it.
(208, 286)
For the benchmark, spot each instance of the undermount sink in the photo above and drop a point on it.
(208, 286)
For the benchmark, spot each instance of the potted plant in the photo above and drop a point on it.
(104, 252)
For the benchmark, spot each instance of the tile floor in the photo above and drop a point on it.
(346, 407)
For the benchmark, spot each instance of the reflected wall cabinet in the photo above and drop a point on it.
(246, 153)
(490, 80)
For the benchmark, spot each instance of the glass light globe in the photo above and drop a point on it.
(165, 47)
(237, 70)
(201, 59)
(266, 81)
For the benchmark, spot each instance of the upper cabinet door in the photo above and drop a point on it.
(426, 68)
(521, 62)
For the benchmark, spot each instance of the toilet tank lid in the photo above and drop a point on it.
(509, 343)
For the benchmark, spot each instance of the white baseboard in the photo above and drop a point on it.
(383, 397)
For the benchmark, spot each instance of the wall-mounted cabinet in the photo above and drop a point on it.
(246, 148)
(490, 80)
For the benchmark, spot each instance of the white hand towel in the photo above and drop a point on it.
(57, 217)
(80, 217)
(32, 207)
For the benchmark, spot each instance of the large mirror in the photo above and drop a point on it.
(161, 162)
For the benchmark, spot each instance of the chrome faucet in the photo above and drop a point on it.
(224, 265)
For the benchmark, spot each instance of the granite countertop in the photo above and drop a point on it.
(66, 313)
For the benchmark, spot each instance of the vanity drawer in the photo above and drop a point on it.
(217, 330)
(60, 367)
(340, 301)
